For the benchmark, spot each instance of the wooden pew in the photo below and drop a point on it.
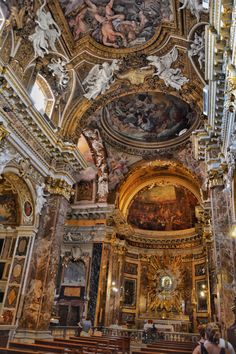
(4, 350)
(122, 343)
(83, 346)
(38, 348)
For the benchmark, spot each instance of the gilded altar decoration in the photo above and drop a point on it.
(165, 284)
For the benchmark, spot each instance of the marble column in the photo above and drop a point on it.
(94, 278)
(114, 295)
(102, 287)
(39, 297)
(223, 249)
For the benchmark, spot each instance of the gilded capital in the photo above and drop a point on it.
(58, 186)
(3, 132)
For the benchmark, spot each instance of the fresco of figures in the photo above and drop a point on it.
(8, 209)
(117, 23)
(150, 117)
(163, 208)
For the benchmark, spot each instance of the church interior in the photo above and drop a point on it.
(117, 173)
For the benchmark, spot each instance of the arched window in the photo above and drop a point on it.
(42, 96)
(2, 19)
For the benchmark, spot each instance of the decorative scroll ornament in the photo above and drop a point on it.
(100, 78)
(194, 6)
(58, 69)
(171, 77)
(46, 33)
(197, 48)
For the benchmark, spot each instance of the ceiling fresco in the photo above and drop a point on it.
(149, 117)
(163, 208)
(117, 23)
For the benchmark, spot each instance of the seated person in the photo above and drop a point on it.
(86, 325)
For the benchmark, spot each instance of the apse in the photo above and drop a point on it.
(163, 208)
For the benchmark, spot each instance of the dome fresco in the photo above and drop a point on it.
(149, 117)
(163, 208)
(117, 23)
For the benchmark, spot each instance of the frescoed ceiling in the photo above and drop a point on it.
(149, 117)
(117, 23)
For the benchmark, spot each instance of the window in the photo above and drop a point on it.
(42, 96)
(2, 19)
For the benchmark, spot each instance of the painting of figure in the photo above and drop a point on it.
(8, 209)
(149, 117)
(163, 208)
(117, 23)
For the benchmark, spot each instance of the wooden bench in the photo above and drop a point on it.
(120, 343)
(4, 350)
(38, 347)
(82, 346)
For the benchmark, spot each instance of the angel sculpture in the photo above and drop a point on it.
(171, 77)
(198, 48)
(40, 200)
(46, 33)
(194, 7)
(100, 78)
(59, 71)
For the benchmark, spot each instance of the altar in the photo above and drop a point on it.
(168, 325)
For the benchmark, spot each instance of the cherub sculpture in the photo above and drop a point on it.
(171, 77)
(58, 69)
(100, 78)
(197, 48)
(46, 33)
(194, 6)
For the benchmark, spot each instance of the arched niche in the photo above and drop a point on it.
(17, 230)
(165, 189)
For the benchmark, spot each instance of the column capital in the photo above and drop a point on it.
(59, 186)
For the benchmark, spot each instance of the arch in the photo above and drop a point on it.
(156, 172)
(25, 200)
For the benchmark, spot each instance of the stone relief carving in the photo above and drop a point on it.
(40, 200)
(7, 154)
(197, 48)
(46, 33)
(100, 78)
(78, 237)
(172, 77)
(194, 6)
(58, 69)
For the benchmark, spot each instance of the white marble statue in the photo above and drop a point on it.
(197, 48)
(195, 7)
(58, 69)
(171, 77)
(40, 199)
(46, 32)
(7, 154)
(100, 78)
(103, 185)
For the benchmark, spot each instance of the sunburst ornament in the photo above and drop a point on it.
(165, 278)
